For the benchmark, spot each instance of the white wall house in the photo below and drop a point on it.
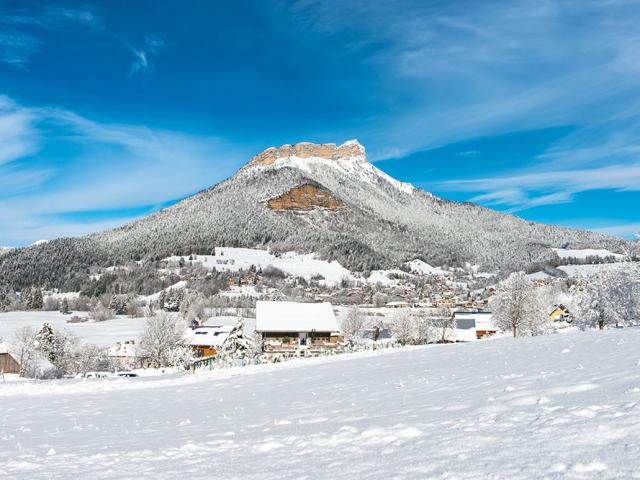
(291, 327)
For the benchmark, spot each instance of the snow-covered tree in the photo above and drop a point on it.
(7, 298)
(100, 313)
(118, 304)
(194, 308)
(89, 357)
(606, 297)
(33, 299)
(442, 324)
(379, 299)
(171, 300)
(354, 324)
(24, 349)
(162, 340)
(64, 306)
(403, 327)
(238, 344)
(424, 331)
(517, 307)
(58, 347)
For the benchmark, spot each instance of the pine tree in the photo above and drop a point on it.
(47, 342)
(238, 345)
(35, 300)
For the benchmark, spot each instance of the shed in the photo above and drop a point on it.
(473, 325)
(8, 364)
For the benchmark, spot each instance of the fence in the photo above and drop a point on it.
(217, 362)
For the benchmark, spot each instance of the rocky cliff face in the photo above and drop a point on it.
(305, 197)
(351, 150)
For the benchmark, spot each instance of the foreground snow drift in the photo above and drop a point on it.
(556, 406)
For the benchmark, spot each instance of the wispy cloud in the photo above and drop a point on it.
(482, 68)
(18, 136)
(16, 48)
(535, 188)
(143, 57)
(109, 166)
(20, 35)
(628, 230)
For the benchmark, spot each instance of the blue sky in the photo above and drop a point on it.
(109, 112)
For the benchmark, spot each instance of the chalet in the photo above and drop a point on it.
(8, 364)
(207, 340)
(297, 328)
(559, 313)
(124, 354)
(473, 325)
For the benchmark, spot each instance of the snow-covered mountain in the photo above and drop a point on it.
(325, 199)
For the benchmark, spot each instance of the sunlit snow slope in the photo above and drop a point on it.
(560, 406)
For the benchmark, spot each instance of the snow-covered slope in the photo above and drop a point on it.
(585, 253)
(313, 199)
(559, 406)
(307, 266)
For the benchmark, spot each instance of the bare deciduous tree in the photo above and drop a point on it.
(354, 324)
(517, 307)
(162, 340)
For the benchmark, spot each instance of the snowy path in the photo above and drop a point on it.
(562, 406)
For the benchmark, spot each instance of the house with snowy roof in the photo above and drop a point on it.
(559, 313)
(473, 325)
(124, 354)
(297, 328)
(207, 340)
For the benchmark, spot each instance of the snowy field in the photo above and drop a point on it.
(298, 265)
(234, 259)
(98, 333)
(559, 406)
(586, 270)
(586, 252)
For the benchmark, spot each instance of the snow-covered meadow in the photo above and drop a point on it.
(307, 266)
(557, 406)
(102, 334)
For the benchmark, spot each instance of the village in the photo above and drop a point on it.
(276, 331)
(242, 306)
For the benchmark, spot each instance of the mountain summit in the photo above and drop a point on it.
(348, 151)
(324, 199)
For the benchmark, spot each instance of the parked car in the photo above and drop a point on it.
(98, 375)
(126, 374)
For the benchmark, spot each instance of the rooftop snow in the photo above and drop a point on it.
(213, 336)
(295, 317)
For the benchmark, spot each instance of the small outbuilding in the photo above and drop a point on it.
(473, 325)
(297, 328)
(8, 364)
